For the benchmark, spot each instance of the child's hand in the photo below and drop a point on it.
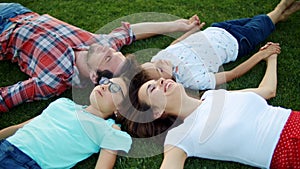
(195, 20)
(116, 127)
(269, 49)
(193, 24)
(266, 46)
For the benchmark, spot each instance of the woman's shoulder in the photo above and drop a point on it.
(64, 100)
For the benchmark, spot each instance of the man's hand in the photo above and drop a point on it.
(193, 23)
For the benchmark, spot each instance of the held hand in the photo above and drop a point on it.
(199, 25)
(269, 49)
(192, 24)
(267, 45)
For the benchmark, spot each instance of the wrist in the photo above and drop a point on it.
(272, 58)
(174, 26)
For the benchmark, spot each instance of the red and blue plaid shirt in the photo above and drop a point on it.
(44, 48)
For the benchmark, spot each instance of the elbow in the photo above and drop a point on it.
(231, 75)
(271, 93)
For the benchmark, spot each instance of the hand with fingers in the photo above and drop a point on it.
(269, 49)
(198, 24)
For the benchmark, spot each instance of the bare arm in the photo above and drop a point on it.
(9, 131)
(268, 85)
(106, 159)
(148, 29)
(173, 158)
(266, 51)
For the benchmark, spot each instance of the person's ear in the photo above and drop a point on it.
(112, 49)
(157, 112)
(94, 77)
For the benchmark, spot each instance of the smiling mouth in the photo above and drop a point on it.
(99, 93)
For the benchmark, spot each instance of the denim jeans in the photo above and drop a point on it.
(10, 10)
(13, 158)
(249, 32)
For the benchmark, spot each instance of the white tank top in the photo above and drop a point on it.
(247, 129)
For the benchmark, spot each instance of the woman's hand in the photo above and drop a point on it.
(269, 50)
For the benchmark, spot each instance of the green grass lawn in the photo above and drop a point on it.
(92, 15)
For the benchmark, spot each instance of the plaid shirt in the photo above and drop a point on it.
(44, 49)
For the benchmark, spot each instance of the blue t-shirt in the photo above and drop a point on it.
(65, 134)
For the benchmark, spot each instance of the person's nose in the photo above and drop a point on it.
(160, 82)
(104, 87)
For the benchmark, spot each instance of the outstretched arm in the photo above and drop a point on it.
(174, 158)
(30, 90)
(106, 159)
(148, 29)
(267, 50)
(9, 131)
(268, 85)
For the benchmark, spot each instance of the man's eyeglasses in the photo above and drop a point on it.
(113, 87)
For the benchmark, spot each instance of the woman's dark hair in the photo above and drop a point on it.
(137, 117)
(105, 73)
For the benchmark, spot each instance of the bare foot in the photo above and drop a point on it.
(289, 11)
